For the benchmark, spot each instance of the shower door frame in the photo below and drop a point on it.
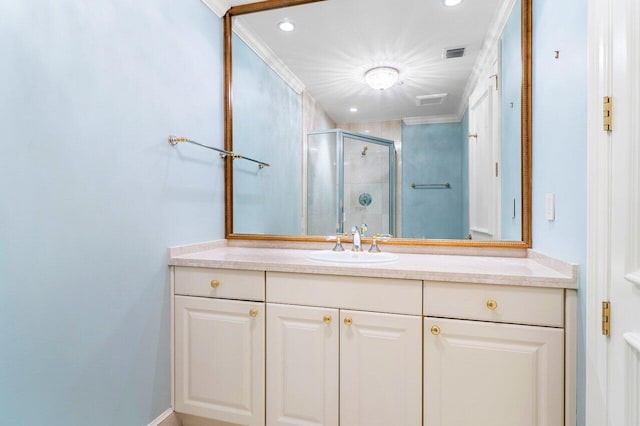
(340, 135)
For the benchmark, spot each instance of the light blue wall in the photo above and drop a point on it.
(92, 195)
(510, 109)
(432, 153)
(267, 126)
(560, 142)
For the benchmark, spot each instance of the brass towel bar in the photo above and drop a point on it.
(445, 185)
(174, 140)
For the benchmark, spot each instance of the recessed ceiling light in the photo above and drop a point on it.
(353, 109)
(286, 26)
(451, 3)
(381, 78)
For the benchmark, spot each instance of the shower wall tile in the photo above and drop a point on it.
(313, 116)
(384, 194)
(391, 130)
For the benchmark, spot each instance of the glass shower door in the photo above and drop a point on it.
(368, 187)
(350, 181)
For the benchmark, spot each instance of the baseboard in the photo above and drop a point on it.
(167, 418)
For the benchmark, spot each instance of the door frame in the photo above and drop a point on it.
(599, 84)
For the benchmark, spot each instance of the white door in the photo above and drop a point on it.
(302, 359)
(483, 196)
(486, 374)
(380, 369)
(219, 359)
(613, 363)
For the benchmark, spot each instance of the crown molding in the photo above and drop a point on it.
(488, 52)
(268, 56)
(219, 7)
(432, 119)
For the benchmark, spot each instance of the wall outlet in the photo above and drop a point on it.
(550, 207)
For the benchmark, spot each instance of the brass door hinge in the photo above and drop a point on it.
(606, 318)
(606, 113)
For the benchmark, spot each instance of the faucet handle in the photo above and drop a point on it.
(338, 246)
(383, 237)
(374, 247)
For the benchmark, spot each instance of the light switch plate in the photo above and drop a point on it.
(550, 206)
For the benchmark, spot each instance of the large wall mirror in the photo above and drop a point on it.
(408, 118)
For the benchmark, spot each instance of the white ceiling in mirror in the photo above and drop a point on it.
(336, 42)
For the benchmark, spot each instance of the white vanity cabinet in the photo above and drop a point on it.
(332, 365)
(219, 345)
(495, 373)
(291, 349)
(380, 369)
(302, 359)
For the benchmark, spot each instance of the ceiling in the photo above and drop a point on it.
(336, 41)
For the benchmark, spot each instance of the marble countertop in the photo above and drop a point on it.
(534, 270)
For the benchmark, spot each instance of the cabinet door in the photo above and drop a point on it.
(219, 359)
(486, 374)
(302, 359)
(380, 369)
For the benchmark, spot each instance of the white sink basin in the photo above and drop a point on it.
(349, 256)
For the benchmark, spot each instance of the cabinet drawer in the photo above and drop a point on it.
(220, 283)
(359, 293)
(511, 304)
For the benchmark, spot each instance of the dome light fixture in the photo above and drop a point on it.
(286, 26)
(381, 78)
(451, 3)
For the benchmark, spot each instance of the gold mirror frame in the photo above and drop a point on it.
(525, 132)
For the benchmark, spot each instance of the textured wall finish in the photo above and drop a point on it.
(267, 126)
(432, 153)
(560, 142)
(92, 196)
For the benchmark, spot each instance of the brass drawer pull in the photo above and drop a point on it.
(253, 313)
(326, 319)
(435, 330)
(348, 321)
(492, 304)
(215, 283)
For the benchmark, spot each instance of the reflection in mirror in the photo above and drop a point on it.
(350, 182)
(429, 148)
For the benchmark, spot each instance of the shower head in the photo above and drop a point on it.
(364, 151)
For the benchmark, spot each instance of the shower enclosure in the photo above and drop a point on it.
(350, 181)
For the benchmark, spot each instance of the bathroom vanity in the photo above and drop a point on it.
(267, 336)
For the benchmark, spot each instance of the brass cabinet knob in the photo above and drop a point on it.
(435, 330)
(253, 313)
(348, 321)
(326, 319)
(492, 304)
(215, 283)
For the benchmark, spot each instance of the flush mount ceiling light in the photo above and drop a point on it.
(286, 26)
(451, 3)
(381, 78)
(353, 109)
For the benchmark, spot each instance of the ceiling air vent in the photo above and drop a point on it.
(457, 52)
(423, 100)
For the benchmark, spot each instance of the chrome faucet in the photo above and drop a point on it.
(357, 243)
